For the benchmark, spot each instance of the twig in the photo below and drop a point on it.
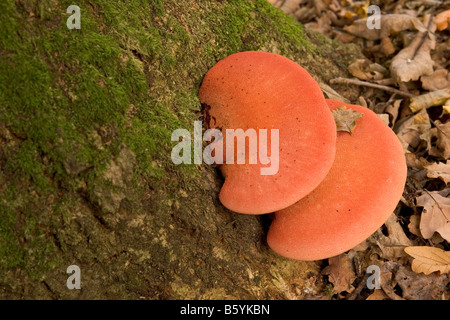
(370, 84)
(354, 294)
(428, 23)
(385, 82)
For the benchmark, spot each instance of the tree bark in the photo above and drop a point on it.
(86, 177)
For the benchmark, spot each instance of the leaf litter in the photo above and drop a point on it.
(404, 77)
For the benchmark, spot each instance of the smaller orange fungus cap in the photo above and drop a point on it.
(358, 195)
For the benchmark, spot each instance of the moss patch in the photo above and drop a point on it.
(72, 100)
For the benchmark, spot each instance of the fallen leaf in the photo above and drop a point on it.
(320, 5)
(390, 24)
(384, 117)
(442, 20)
(435, 98)
(377, 294)
(418, 178)
(340, 273)
(415, 60)
(414, 130)
(412, 161)
(438, 80)
(366, 70)
(416, 171)
(391, 245)
(304, 13)
(395, 232)
(346, 119)
(387, 279)
(386, 46)
(343, 37)
(392, 109)
(287, 6)
(436, 213)
(429, 259)
(446, 106)
(323, 24)
(436, 239)
(331, 93)
(439, 170)
(416, 286)
(442, 134)
(413, 225)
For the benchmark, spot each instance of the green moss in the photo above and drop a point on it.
(131, 76)
(9, 26)
(26, 166)
(10, 252)
(157, 7)
(286, 29)
(24, 241)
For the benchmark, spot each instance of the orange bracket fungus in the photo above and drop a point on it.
(253, 93)
(357, 196)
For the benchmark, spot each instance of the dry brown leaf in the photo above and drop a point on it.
(395, 231)
(442, 20)
(386, 46)
(413, 286)
(442, 133)
(320, 5)
(429, 259)
(439, 170)
(416, 286)
(436, 213)
(438, 80)
(413, 162)
(343, 37)
(304, 13)
(366, 70)
(390, 24)
(323, 24)
(331, 93)
(440, 53)
(416, 171)
(384, 117)
(419, 178)
(415, 60)
(346, 119)
(391, 246)
(413, 225)
(436, 239)
(387, 279)
(288, 6)
(412, 131)
(430, 99)
(392, 109)
(340, 273)
(446, 106)
(377, 294)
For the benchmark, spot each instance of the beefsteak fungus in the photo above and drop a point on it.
(255, 90)
(358, 195)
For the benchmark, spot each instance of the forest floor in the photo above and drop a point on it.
(404, 76)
